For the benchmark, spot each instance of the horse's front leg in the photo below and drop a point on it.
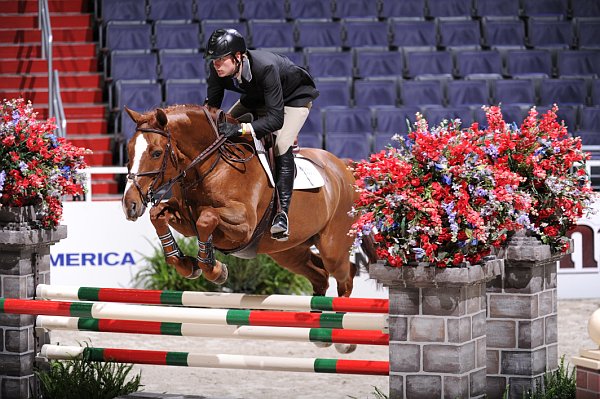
(186, 266)
(213, 269)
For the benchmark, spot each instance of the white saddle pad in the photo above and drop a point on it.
(307, 176)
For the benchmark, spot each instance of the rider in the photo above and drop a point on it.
(274, 88)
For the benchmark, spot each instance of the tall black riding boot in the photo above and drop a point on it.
(284, 165)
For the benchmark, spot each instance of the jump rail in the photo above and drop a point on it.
(213, 300)
(329, 335)
(308, 365)
(116, 311)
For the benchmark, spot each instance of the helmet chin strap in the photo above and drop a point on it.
(238, 65)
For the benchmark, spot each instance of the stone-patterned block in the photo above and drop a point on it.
(495, 386)
(14, 387)
(447, 302)
(479, 323)
(521, 385)
(16, 320)
(14, 286)
(552, 357)
(495, 285)
(426, 329)
(531, 333)
(513, 306)
(423, 386)
(523, 363)
(501, 334)
(16, 263)
(492, 361)
(30, 286)
(546, 299)
(551, 323)
(405, 357)
(17, 341)
(459, 329)
(396, 385)
(398, 327)
(449, 358)
(16, 365)
(550, 275)
(523, 280)
(480, 353)
(456, 387)
(474, 297)
(478, 382)
(43, 260)
(404, 301)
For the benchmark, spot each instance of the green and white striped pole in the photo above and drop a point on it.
(329, 335)
(246, 362)
(213, 299)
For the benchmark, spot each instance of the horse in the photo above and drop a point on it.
(221, 195)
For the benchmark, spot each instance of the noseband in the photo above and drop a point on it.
(158, 174)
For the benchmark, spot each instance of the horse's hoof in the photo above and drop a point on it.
(223, 276)
(197, 272)
(322, 344)
(345, 348)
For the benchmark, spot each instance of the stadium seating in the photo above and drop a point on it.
(185, 91)
(548, 33)
(123, 10)
(545, 8)
(578, 63)
(365, 33)
(435, 115)
(272, 33)
(355, 9)
(176, 35)
(403, 9)
(563, 92)
(585, 8)
(161, 10)
(329, 63)
(418, 63)
(455, 34)
(588, 31)
(309, 9)
(377, 63)
(468, 93)
(319, 33)
(263, 9)
(133, 64)
(529, 63)
(375, 91)
(333, 91)
(128, 35)
(181, 64)
(407, 33)
(513, 91)
(478, 64)
(223, 9)
(449, 8)
(422, 92)
(495, 8)
(503, 33)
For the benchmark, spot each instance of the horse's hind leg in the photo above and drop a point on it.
(300, 260)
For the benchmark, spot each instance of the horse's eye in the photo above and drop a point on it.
(156, 154)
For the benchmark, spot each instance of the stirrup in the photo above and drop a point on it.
(279, 229)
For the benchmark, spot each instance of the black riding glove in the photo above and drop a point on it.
(230, 129)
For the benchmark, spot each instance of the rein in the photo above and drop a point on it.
(227, 150)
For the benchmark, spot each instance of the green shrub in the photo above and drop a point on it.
(560, 384)
(261, 275)
(77, 379)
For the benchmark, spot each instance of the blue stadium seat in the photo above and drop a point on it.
(563, 92)
(435, 115)
(413, 33)
(222, 9)
(128, 35)
(355, 9)
(123, 10)
(422, 92)
(403, 9)
(314, 123)
(596, 92)
(140, 96)
(480, 64)
(566, 113)
(263, 9)
(185, 91)
(590, 120)
(377, 63)
(495, 8)
(394, 120)
(209, 26)
(171, 9)
(309, 9)
(381, 141)
(324, 63)
(428, 63)
(503, 33)
(548, 33)
(310, 140)
(348, 120)
(176, 35)
(585, 8)
(514, 113)
(181, 64)
(366, 33)
(133, 64)
(514, 91)
(468, 93)
(529, 63)
(581, 63)
(333, 91)
(588, 31)
(352, 146)
(459, 34)
(375, 91)
(545, 8)
(319, 33)
(449, 8)
(271, 33)
(297, 57)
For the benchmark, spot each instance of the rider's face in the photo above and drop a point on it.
(225, 66)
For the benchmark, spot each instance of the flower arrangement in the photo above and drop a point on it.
(448, 195)
(36, 167)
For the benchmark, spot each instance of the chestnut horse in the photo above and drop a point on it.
(220, 193)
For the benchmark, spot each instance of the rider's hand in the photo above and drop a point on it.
(230, 129)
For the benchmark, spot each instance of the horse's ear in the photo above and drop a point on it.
(135, 116)
(161, 117)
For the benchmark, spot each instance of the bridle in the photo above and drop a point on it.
(231, 152)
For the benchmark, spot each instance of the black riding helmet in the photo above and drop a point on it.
(224, 42)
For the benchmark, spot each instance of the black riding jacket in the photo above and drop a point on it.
(276, 82)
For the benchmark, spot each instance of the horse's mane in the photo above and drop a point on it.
(182, 108)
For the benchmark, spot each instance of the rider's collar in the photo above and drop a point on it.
(246, 73)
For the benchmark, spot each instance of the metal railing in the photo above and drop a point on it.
(55, 105)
